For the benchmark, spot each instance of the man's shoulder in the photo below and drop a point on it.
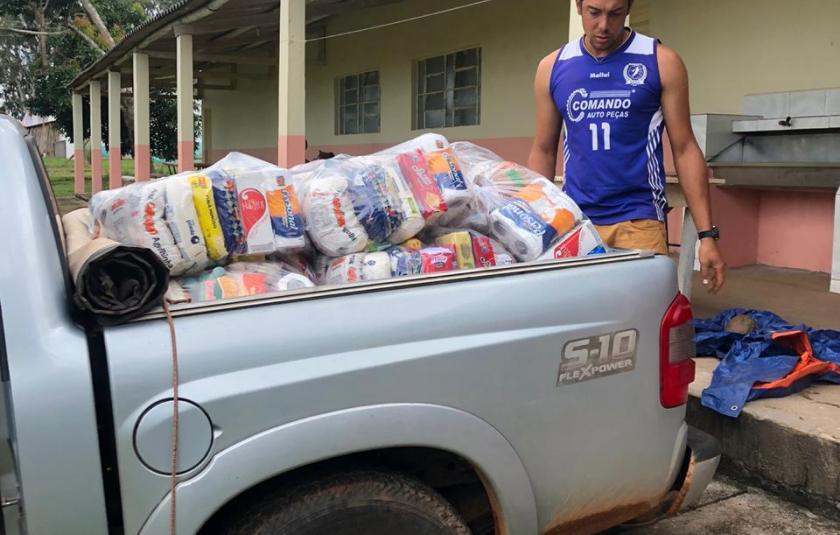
(548, 61)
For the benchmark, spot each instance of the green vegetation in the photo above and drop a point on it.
(60, 171)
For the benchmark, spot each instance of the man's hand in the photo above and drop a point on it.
(712, 266)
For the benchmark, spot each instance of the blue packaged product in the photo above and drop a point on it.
(374, 202)
(405, 262)
(225, 196)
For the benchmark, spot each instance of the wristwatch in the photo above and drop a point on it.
(714, 233)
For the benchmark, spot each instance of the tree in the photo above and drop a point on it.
(46, 43)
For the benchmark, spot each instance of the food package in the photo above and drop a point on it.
(256, 219)
(461, 242)
(527, 223)
(426, 191)
(242, 279)
(286, 217)
(447, 173)
(375, 200)
(134, 215)
(182, 219)
(345, 269)
(208, 217)
(329, 213)
(438, 259)
(411, 218)
(583, 240)
(226, 197)
(405, 262)
(376, 266)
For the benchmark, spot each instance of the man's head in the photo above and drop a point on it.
(603, 22)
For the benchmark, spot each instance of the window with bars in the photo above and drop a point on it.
(448, 90)
(358, 104)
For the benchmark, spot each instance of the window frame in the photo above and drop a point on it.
(341, 105)
(448, 91)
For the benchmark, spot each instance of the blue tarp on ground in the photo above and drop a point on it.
(749, 361)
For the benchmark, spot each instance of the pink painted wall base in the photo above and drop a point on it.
(185, 156)
(142, 162)
(79, 171)
(96, 170)
(114, 169)
(291, 150)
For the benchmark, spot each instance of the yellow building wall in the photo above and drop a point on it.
(738, 47)
(514, 35)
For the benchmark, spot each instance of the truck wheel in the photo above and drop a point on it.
(353, 503)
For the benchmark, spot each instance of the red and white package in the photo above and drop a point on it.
(438, 259)
(483, 251)
(426, 191)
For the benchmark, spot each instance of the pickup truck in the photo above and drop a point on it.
(534, 398)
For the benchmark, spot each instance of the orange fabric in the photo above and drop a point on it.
(807, 365)
(644, 234)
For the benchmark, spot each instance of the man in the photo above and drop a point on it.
(615, 90)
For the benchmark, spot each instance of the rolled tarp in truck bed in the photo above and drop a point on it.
(114, 282)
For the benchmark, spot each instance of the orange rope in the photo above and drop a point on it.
(173, 478)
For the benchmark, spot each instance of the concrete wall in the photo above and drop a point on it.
(736, 47)
(513, 36)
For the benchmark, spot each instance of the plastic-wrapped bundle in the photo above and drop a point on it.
(270, 213)
(411, 218)
(134, 215)
(527, 223)
(405, 262)
(374, 200)
(345, 269)
(182, 219)
(330, 217)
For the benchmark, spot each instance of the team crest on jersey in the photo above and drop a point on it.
(635, 73)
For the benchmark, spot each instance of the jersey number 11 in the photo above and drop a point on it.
(606, 128)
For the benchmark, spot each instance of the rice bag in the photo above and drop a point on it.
(182, 218)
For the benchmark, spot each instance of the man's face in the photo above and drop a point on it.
(603, 22)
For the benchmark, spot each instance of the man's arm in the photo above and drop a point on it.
(689, 161)
(543, 156)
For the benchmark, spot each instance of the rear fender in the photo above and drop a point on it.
(303, 442)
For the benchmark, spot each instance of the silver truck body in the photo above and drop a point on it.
(466, 363)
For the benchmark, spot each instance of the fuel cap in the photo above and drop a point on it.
(153, 431)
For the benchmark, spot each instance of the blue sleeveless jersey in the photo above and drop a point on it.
(613, 130)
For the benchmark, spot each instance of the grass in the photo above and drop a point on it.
(60, 171)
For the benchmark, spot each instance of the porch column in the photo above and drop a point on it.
(114, 126)
(291, 149)
(78, 144)
(184, 77)
(142, 154)
(835, 265)
(96, 136)
(575, 22)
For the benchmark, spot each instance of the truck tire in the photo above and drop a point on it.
(352, 503)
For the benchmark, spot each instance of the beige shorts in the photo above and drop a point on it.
(644, 234)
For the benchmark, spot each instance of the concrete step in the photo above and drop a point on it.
(788, 445)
